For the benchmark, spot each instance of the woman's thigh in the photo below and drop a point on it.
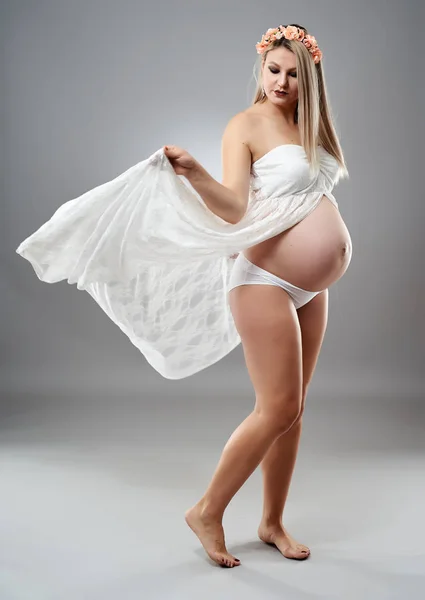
(267, 322)
(313, 319)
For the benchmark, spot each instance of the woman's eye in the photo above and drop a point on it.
(274, 71)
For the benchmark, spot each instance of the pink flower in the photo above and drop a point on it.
(317, 55)
(291, 32)
(261, 48)
(310, 41)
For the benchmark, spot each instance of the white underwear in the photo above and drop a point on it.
(245, 272)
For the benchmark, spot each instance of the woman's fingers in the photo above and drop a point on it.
(172, 151)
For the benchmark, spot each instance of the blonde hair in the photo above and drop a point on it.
(313, 113)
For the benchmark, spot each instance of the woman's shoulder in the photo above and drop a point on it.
(250, 115)
(248, 122)
(253, 113)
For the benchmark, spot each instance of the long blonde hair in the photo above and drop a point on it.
(313, 113)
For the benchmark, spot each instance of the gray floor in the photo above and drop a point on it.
(93, 492)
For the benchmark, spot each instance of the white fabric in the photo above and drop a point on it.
(146, 247)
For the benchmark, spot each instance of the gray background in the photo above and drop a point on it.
(89, 89)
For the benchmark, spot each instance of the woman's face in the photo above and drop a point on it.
(280, 73)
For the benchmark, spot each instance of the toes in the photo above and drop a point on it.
(302, 553)
(228, 561)
(296, 552)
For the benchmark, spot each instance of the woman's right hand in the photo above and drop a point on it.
(182, 162)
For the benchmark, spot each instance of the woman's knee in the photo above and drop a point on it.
(281, 413)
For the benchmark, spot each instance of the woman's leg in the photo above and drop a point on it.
(279, 462)
(267, 322)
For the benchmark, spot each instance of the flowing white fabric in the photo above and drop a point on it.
(157, 260)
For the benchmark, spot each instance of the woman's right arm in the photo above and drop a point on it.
(228, 199)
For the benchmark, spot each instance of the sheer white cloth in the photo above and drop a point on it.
(154, 257)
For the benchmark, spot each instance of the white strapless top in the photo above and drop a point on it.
(146, 247)
(284, 170)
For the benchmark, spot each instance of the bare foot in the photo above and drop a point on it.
(276, 535)
(211, 535)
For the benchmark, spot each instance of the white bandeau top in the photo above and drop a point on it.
(284, 170)
(146, 247)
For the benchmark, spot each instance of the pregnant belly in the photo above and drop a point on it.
(312, 255)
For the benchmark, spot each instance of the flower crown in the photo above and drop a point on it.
(291, 32)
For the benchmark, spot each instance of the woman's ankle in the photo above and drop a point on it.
(209, 509)
(271, 520)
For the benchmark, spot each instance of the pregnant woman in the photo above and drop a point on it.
(278, 288)
(158, 256)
